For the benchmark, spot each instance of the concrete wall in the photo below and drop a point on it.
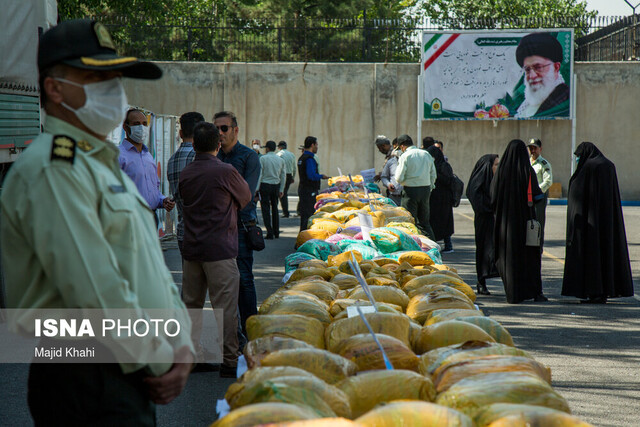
(346, 105)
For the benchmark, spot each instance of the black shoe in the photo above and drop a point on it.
(481, 289)
(595, 300)
(285, 216)
(206, 367)
(541, 298)
(227, 371)
(269, 237)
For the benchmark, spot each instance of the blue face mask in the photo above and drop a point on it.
(577, 159)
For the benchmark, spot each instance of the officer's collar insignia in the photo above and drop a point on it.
(63, 148)
(84, 145)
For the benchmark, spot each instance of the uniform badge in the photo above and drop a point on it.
(63, 148)
(102, 34)
(84, 145)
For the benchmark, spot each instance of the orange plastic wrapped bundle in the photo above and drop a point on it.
(305, 235)
(388, 294)
(447, 333)
(337, 260)
(447, 375)
(364, 352)
(518, 415)
(392, 324)
(471, 394)
(414, 413)
(261, 413)
(433, 359)
(311, 391)
(296, 326)
(256, 350)
(260, 374)
(441, 315)
(490, 326)
(325, 365)
(365, 391)
(420, 306)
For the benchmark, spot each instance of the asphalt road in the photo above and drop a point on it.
(593, 351)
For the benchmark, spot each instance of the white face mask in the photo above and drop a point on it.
(256, 147)
(139, 133)
(105, 106)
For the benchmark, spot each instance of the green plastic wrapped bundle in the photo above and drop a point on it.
(319, 249)
(365, 250)
(389, 240)
(292, 261)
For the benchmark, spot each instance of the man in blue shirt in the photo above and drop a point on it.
(309, 180)
(247, 162)
(181, 158)
(136, 161)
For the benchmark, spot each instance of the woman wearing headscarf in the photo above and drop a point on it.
(441, 200)
(597, 256)
(479, 195)
(519, 265)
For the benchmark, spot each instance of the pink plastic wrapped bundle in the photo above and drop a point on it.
(358, 236)
(335, 238)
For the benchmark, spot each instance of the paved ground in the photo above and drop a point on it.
(593, 351)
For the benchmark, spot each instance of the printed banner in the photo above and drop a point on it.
(497, 74)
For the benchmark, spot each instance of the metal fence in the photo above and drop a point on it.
(333, 40)
(619, 41)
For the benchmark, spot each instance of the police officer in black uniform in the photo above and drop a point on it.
(310, 179)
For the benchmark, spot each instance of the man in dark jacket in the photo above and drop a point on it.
(309, 180)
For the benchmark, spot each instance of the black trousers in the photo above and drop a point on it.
(83, 394)
(305, 205)
(284, 202)
(541, 215)
(416, 201)
(269, 205)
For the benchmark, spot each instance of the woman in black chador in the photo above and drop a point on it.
(597, 257)
(519, 265)
(441, 201)
(479, 195)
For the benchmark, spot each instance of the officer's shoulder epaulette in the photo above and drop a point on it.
(63, 148)
(544, 162)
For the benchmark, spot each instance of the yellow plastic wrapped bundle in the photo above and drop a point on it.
(305, 235)
(447, 375)
(295, 305)
(311, 391)
(449, 314)
(344, 178)
(447, 333)
(331, 227)
(471, 394)
(420, 306)
(364, 352)
(302, 272)
(281, 294)
(256, 350)
(405, 226)
(344, 281)
(463, 288)
(339, 306)
(429, 278)
(352, 203)
(344, 214)
(433, 359)
(260, 374)
(393, 324)
(328, 208)
(365, 266)
(296, 326)
(323, 364)
(388, 294)
(365, 391)
(261, 413)
(337, 260)
(317, 263)
(416, 258)
(373, 280)
(490, 326)
(384, 262)
(383, 307)
(398, 220)
(326, 291)
(444, 267)
(377, 218)
(414, 413)
(518, 415)
(320, 422)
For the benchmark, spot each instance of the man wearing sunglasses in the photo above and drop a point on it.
(540, 56)
(247, 162)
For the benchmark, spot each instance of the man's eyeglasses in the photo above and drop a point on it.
(224, 128)
(537, 68)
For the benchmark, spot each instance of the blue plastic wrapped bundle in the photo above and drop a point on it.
(319, 249)
(372, 187)
(435, 255)
(366, 249)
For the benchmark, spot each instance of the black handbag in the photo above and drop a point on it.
(255, 239)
